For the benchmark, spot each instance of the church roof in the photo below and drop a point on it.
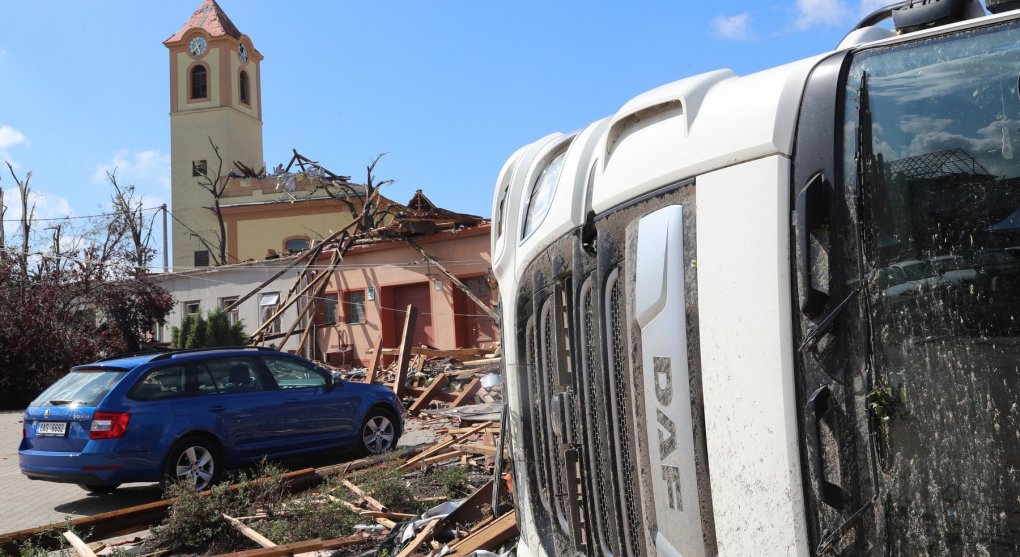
(210, 17)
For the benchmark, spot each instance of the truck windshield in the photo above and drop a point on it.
(941, 160)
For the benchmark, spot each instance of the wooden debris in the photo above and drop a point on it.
(489, 536)
(81, 547)
(427, 396)
(469, 391)
(423, 536)
(367, 498)
(405, 349)
(414, 462)
(376, 357)
(249, 532)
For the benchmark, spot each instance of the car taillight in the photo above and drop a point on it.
(108, 425)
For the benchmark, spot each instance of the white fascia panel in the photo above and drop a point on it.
(745, 313)
(738, 119)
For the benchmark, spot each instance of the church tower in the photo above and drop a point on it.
(215, 92)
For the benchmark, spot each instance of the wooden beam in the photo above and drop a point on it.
(469, 390)
(423, 536)
(417, 392)
(437, 384)
(413, 462)
(471, 448)
(376, 359)
(405, 349)
(248, 532)
(488, 537)
(280, 550)
(297, 320)
(483, 305)
(458, 353)
(309, 307)
(289, 302)
(81, 547)
(368, 499)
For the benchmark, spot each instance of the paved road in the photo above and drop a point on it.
(25, 503)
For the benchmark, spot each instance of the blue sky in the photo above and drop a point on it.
(449, 89)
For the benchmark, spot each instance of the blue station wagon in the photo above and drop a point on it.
(188, 415)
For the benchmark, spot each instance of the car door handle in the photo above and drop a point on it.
(217, 408)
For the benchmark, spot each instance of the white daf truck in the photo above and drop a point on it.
(776, 314)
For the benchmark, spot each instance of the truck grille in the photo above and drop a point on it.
(580, 438)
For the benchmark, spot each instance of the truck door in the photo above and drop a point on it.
(908, 231)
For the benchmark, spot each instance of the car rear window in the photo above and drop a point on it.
(161, 383)
(81, 387)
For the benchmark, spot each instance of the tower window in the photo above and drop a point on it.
(243, 88)
(199, 168)
(199, 82)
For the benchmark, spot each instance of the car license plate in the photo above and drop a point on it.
(51, 428)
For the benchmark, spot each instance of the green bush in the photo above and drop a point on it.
(195, 521)
(208, 332)
(454, 480)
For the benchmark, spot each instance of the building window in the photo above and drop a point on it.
(243, 88)
(355, 306)
(232, 314)
(202, 258)
(191, 309)
(268, 304)
(199, 82)
(326, 313)
(296, 244)
(199, 168)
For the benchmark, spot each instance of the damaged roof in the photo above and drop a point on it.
(210, 18)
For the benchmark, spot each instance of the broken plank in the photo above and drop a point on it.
(470, 448)
(405, 349)
(423, 536)
(442, 457)
(249, 532)
(412, 462)
(430, 393)
(368, 498)
(78, 545)
(416, 392)
(459, 353)
(376, 360)
(297, 547)
(469, 391)
(471, 510)
(488, 537)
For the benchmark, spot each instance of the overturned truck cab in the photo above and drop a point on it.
(776, 313)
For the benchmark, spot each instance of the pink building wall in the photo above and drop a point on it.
(393, 267)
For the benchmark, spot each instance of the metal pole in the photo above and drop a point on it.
(165, 256)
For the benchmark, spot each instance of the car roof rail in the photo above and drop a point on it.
(129, 354)
(172, 353)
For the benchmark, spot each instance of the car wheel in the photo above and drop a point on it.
(194, 460)
(379, 432)
(99, 489)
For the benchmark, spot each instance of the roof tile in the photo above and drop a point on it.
(210, 17)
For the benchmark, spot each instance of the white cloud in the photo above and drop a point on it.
(812, 13)
(47, 206)
(734, 28)
(865, 7)
(143, 168)
(9, 137)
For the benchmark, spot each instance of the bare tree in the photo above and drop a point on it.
(216, 186)
(129, 214)
(362, 200)
(27, 217)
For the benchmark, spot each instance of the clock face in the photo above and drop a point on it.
(197, 46)
(242, 53)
